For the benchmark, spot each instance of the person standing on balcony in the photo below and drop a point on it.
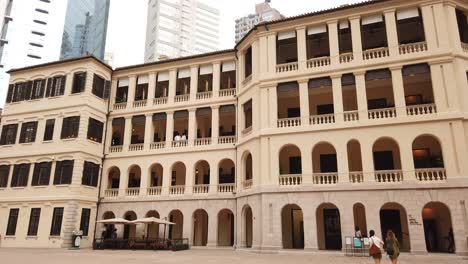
(184, 137)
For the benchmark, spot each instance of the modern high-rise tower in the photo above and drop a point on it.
(180, 28)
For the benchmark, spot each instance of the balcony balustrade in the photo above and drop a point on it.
(247, 184)
(346, 57)
(120, 106)
(423, 109)
(431, 174)
(413, 48)
(204, 95)
(290, 179)
(227, 140)
(350, 116)
(140, 103)
(318, 62)
(177, 190)
(157, 145)
(227, 92)
(382, 113)
(356, 177)
(287, 67)
(180, 143)
(322, 119)
(152, 191)
(114, 149)
(202, 141)
(160, 101)
(289, 122)
(226, 188)
(136, 147)
(181, 98)
(385, 176)
(328, 178)
(111, 193)
(132, 191)
(372, 54)
(201, 188)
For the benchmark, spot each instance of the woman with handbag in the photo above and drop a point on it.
(393, 247)
(375, 247)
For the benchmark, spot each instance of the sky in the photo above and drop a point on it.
(127, 29)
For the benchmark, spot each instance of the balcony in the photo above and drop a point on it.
(160, 101)
(383, 113)
(356, 177)
(226, 188)
(202, 141)
(327, 178)
(136, 147)
(177, 190)
(322, 119)
(227, 140)
(289, 122)
(423, 109)
(247, 184)
(431, 175)
(111, 193)
(290, 179)
(201, 188)
(227, 92)
(287, 67)
(386, 176)
(140, 103)
(181, 98)
(180, 143)
(157, 145)
(413, 48)
(350, 116)
(132, 191)
(153, 191)
(318, 62)
(204, 95)
(377, 53)
(120, 106)
(346, 57)
(114, 149)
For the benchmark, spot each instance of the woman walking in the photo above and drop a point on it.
(393, 247)
(375, 247)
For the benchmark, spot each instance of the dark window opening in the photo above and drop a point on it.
(228, 76)
(462, 21)
(49, 129)
(345, 41)
(95, 129)
(286, 48)
(28, 132)
(34, 221)
(8, 136)
(63, 172)
(79, 82)
(410, 26)
(122, 92)
(90, 174)
(141, 90)
(4, 173)
(248, 62)
(247, 107)
(205, 79)
(41, 174)
(12, 222)
(317, 42)
(38, 89)
(70, 127)
(84, 222)
(56, 86)
(373, 33)
(20, 175)
(56, 226)
(101, 87)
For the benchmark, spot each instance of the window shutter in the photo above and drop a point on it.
(9, 98)
(49, 87)
(62, 85)
(28, 90)
(107, 88)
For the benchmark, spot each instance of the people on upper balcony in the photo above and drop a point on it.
(184, 137)
(177, 137)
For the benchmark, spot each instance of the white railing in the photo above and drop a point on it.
(177, 189)
(325, 178)
(120, 106)
(464, 47)
(201, 188)
(287, 67)
(375, 53)
(140, 103)
(322, 119)
(423, 109)
(247, 79)
(226, 187)
(179, 144)
(290, 179)
(202, 141)
(154, 190)
(227, 92)
(318, 62)
(132, 191)
(204, 95)
(413, 48)
(114, 149)
(247, 130)
(181, 98)
(289, 122)
(160, 100)
(382, 113)
(247, 184)
(136, 147)
(227, 140)
(346, 57)
(158, 145)
(430, 174)
(351, 116)
(356, 177)
(389, 176)
(111, 193)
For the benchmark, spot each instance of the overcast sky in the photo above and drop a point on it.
(127, 22)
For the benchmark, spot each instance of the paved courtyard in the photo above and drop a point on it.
(202, 256)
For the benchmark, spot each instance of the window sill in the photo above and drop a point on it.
(26, 144)
(9, 237)
(88, 187)
(6, 146)
(55, 237)
(18, 187)
(69, 139)
(34, 100)
(76, 94)
(31, 237)
(47, 141)
(54, 97)
(39, 186)
(94, 142)
(62, 185)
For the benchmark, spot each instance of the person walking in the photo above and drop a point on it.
(393, 247)
(375, 247)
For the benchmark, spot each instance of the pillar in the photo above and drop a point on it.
(151, 87)
(441, 27)
(310, 229)
(69, 83)
(241, 68)
(361, 95)
(214, 177)
(57, 127)
(216, 78)
(212, 229)
(131, 90)
(367, 160)
(452, 26)
(392, 35)
(337, 98)
(304, 101)
(264, 67)
(342, 158)
(405, 146)
(215, 124)
(192, 125)
(113, 90)
(273, 109)
(193, 81)
(333, 40)
(271, 53)
(428, 23)
(41, 122)
(355, 22)
(398, 91)
(169, 128)
(172, 86)
(166, 181)
(128, 132)
(149, 130)
(301, 47)
(438, 85)
(256, 60)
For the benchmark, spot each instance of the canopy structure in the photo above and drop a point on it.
(115, 221)
(151, 220)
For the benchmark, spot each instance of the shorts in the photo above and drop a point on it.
(377, 256)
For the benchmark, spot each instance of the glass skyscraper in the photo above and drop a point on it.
(85, 29)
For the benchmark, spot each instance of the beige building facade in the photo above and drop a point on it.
(310, 127)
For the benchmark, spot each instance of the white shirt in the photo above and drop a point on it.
(184, 137)
(378, 242)
(358, 234)
(177, 138)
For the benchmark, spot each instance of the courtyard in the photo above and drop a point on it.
(205, 256)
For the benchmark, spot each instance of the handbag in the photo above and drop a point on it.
(373, 250)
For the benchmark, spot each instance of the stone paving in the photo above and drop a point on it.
(202, 256)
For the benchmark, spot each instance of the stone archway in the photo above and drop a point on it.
(200, 228)
(225, 228)
(393, 217)
(438, 231)
(292, 227)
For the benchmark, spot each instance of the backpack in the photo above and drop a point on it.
(390, 249)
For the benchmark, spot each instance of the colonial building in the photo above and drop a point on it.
(310, 126)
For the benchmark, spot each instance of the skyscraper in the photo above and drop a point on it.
(85, 29)
(263, 12)
(180, 28)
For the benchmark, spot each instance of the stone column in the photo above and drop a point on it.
(437, 79)
(57, 127)
(355, 22)
(264, 71)
(333, 40)
(169, 128)
(241, 68)
(127, 133)
(416, 229)
(131, 90)
(310, 230)
(216, 78)
(428, 22)
(304, 101)
(301, 47)
(41, 122)
(392, 35)
(337, 98)
(193, 81)
(192, 126)
(212, 228)
(172, 86)
(398, 91)
(151, 87)
(214, 177)
(367, 160)
(342, 158)
(166, 181)
(69, 84)
(273, 98)
(271, 53)
(214, 124)
(149, 130)
(452, 26)
(361, 95)
(256, 60)
(441, 26)
(113, 91)
(406, 157)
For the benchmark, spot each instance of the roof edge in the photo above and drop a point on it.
(14, 70)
